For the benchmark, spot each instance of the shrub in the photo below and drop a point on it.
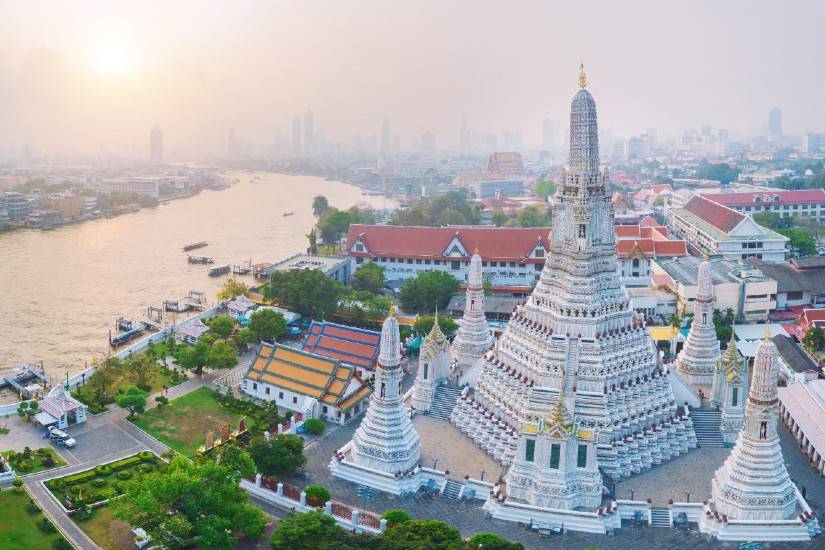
(103, 470)
(124, 475)
(62, 544)
(120, 487)
(43, 451)
(48, 461)
(317, 495)
(18, 484)
(98, 482)
(46, 526)
(161, 400)
(483, 539)
(314, 426)
(23, 465)
(126, 463)
(32, 508)
(79, 477)
(146, 467)
(395, 516)
(146, 456)
(57, 484)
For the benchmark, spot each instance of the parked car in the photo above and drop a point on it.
(69, 442)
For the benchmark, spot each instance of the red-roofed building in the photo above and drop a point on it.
(352, 346)
(807, 202)
(714, 229)
(637, 246)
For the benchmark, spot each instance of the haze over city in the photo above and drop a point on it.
(79, 78)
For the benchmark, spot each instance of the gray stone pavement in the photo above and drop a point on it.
(443, 443)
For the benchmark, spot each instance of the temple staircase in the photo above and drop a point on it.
(706, 425)
(444, 402)
(659, 517)
(451, 489)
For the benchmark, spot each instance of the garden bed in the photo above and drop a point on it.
(22, 525)
(101, 483)
(182, 424)
(38, 460)
(107, 532)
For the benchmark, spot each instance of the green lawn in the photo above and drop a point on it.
(109, 533)
(18, 527)
(183, 423)
(38, 463)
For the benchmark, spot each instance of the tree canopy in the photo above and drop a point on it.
(533, 216)
(317, 531)
(267, 324)
(452, 208)
(370, 277)
(423, 533)
(721, 171)
(221, 325)
(231, 289)
(133, 400)
(544, 189)
(320, 205)
(427, 290)
(279, 456)
(335, 223)
(801, 242)
(424, 324)
(307, 291)
(190, 503)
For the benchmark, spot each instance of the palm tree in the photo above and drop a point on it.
(313, 242)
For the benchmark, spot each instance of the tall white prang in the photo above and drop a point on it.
(753, 483)
(578, 338)
(474, 337)
(697, 361)
(386, 439)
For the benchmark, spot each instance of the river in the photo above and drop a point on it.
(62, 290)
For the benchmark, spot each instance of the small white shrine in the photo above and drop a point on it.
(697, 361)
(730, 389)
(433, 367)
(474, 337)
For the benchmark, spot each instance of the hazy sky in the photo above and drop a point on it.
(75, 76)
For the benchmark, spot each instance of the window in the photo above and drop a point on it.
(359, 247)
(538, 267)
(493, 264)
(530, 450)
(418, 261)
(254, 385)
(409, 260)
(280, 395)
(635, 262)
(426, 370)
(455, 266)
(582, 230)
(512, 264)
(266, 391)
(359, 260)
(734, 397)
(325, 409)
(539, 253)
(555, 454)
(581, 457)
(796, 295)
(294, 400)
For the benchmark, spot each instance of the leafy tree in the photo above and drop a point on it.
(222, 355)
(771, 220)
(722, 172)
(801, 241)
(267, 324)
(491, 541)
(196, 357)
(423, 533)
(237, 461)
(533, 216)
(427, 290)
(314, 426)
(320, 205)
(221, 325)
(279, 456)
(723, 323)
(312, 237)
(395, 516)
(370, 277)
(498, 217)
(544, 189)
(245, 337)
(424, 324)
(190, 503)
(139, 369)
(162, 401)
(133, 400)
(307, 291)
(317, 495)
(814, 339)
(454, 207)
(231, 289)
(317, 531)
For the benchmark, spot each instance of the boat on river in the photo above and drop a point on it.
(289, 213)
(195, 246)
(218, 271)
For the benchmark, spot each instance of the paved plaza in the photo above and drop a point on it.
(447, 449)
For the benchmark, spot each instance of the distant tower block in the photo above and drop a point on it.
(753, 483)
(433, 367)
(386, 440)
(697, 361)
(473, 338)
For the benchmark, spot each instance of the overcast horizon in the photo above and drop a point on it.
(78, 77)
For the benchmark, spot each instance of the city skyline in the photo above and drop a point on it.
(252, 67)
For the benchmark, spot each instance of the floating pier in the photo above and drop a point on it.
(22, 375)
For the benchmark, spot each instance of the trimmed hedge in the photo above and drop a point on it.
(79, 477)
(124, 475)
(103, 470)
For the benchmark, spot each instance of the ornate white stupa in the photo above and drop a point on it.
(473, 338)
(730, 390)
(433, 367)
(697, 361)
(555, 464)
(386, 439)
(753, 483)
(578, 337)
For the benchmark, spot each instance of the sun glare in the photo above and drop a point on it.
(113, 60)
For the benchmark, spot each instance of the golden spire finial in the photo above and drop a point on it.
(768, 332)
(582, 77)
(392, 310)
(475, 251)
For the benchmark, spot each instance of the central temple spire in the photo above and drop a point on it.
(582, 77)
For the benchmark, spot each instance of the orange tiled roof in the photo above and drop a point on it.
(354, 346)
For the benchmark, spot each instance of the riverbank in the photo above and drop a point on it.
(64, 288)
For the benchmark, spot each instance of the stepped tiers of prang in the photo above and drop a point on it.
(474, 337)
(578, 337)
(697, 361)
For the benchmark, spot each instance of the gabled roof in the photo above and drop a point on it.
(509, 163)
(793, 355)
(650, 248)
(321, 378)
(58, 402)
(721, 217)
(353, 346)
(803, 196)
(494, 243)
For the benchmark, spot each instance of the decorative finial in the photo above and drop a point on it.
(475, 250)
(582, 77)
(768, 332)
(392, 311)
(706, 257)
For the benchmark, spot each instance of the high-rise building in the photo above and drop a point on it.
(578, 339)
(386, 137)
(296, 136)
(707, 130)
(775, 123)
(723, 135)
(428, 142)
(813, 142)
(156, 145)
(309, 133)
(464, 136)
(548, 135)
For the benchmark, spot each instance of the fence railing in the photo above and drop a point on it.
(341, 510)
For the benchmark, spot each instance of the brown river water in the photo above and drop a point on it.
(61, 290)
